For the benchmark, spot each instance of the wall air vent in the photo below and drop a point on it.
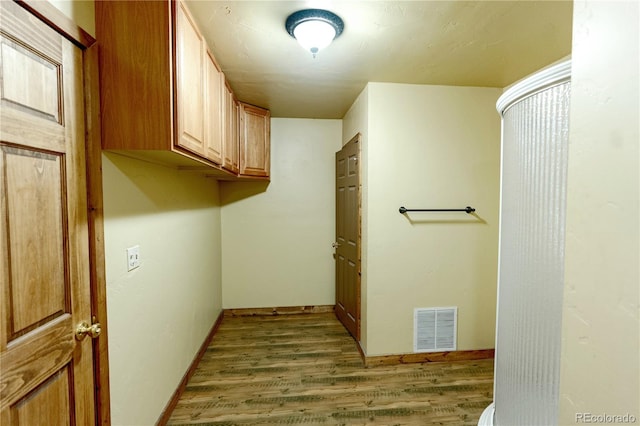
(435, 329)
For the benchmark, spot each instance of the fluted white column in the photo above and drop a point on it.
(535, 131)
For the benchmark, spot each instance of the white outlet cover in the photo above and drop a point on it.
(133, 258)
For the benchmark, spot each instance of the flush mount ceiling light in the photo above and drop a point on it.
(314, 29)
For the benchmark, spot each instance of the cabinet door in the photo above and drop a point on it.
(214, 104)
(230, 151)
(255, 141)
(190, 87)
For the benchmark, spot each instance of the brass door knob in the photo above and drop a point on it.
(84, 329)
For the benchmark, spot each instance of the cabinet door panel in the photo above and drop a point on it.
(213, 111)
(255, 143)
(230, 157)
(190, 91)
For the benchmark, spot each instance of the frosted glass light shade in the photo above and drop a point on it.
(314, 35)
(314, 29)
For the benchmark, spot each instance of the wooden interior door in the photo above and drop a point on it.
(347, 243)
(47, 375)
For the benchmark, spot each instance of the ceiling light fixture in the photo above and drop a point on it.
(314, 29)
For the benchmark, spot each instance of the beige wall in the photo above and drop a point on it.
(600, 353)
(160, 313)
(431, 147)
(284, 230)
(82, 12)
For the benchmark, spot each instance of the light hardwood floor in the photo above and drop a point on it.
(306, 370)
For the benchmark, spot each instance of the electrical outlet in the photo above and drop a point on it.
(133, 258)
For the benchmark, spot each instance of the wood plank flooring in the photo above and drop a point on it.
(306, 370)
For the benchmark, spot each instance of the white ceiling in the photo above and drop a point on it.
(461, 43)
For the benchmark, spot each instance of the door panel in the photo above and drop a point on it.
(347, 245)
(34, 197)
(53, 393)
(47, 374)
(40, 90)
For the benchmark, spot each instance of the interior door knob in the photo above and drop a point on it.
(335, 245)
(84, 329)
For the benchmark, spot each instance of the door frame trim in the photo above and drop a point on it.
(65, 26)
(357, 139)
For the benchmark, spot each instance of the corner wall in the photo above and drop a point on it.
(600, 372)
(277, 236)
(160, 313)
(431, 147)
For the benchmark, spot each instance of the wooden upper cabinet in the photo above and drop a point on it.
(165, 99)
(231, 147)
(190, 93)
(213, 111)
(135, 75)
(255, 141)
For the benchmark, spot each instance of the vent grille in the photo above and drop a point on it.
(435, 329)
